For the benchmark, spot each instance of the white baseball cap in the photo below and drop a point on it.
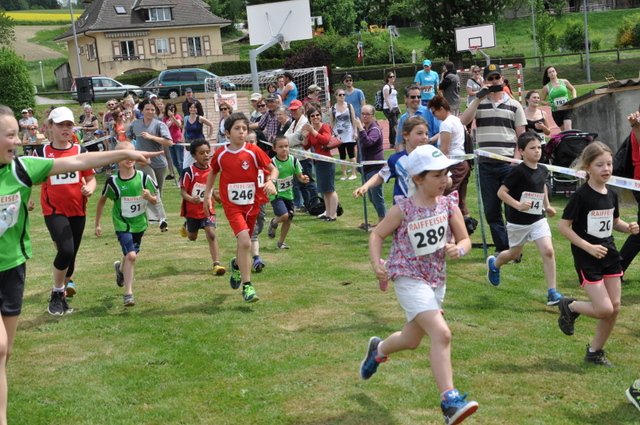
(256, 96)
(61, 114)
(428, 158)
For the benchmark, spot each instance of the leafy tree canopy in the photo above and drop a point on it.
(7, 34)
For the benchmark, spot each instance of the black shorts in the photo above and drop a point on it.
(560, 116)
(592, 271)
(12, 290)
(195, 224)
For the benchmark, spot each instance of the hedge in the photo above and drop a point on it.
(17, 90)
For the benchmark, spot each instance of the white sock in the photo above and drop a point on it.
(58, 289)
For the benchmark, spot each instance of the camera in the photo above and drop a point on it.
(494, 89)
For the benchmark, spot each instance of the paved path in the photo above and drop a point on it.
(32, 51)
(46, 101)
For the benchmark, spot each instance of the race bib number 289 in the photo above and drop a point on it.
(428, 235)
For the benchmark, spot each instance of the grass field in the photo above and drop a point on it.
(191, 352)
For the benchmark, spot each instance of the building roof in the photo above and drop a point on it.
(101, 16)
(612, 87)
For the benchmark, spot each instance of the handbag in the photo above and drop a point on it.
(334, 142)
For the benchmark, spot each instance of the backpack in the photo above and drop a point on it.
(622, 163)
(378, 102)
(316, 207)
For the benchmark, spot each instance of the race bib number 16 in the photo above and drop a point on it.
(428, 235)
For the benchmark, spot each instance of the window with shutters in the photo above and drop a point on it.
(162, 46)
(194, 45)
(127, 49)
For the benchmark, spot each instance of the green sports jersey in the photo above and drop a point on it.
(129, 207)
(287, 171)
(16, 180)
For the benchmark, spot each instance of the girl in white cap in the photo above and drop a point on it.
(423, 226)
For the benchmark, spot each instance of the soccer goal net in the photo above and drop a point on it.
(511, 72)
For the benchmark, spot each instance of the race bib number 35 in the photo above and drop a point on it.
(133, 206)
(65, 178)
(428, 235)
(600, 223)
(241, 193)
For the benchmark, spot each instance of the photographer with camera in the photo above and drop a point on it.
(499, 121)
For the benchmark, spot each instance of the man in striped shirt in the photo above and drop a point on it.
(499, 121)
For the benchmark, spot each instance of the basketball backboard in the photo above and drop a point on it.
(475, 37)
(290, 18)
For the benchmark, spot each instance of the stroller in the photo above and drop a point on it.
(563, 149)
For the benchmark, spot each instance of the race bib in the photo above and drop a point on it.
(9, 211)
(261, 181)
(428, 235)
(537, 202)
(133, 206)
(198, 190)
(559, 101)
(241, 193)
(600, 223)
(284, 184)
(428, 90)
(65, 178)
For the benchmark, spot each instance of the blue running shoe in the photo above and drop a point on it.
(258, 265)
(553, 297)
(369, 365)
(70, 289)
(456, 409)
(235, 279)
(493, 273)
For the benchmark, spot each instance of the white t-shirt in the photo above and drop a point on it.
(453, 125)
(392, 97)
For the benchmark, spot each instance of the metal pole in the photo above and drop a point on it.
(586, 43)
(75, 40)
(41, 74)
(393, 53)
(533, 29)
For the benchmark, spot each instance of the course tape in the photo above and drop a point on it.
(616, 181)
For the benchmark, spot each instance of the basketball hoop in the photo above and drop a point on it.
(473, 50)
(284, 44)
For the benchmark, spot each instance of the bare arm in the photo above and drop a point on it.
(445, 141)
(503, 194)
(211, 181)
(99, 209)
(209, 125)
(570, 87)
(375, 181)
(459, 229)
(86, 161)
(470, 113)
(389, 223)
(597, 251)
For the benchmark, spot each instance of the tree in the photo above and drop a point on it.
(7, 34)
(338, 16)
(544, 25)
(440, 18)
(17, 90)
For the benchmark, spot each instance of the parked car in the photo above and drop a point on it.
(150, 87)
(172, 82)
(105, 88)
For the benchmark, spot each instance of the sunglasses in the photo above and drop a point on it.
(111, 105)
(494, 78)
(348, 81)
(224, 109)
(340, 94)
(414, 97)
(262, 105)
(314, 115)
(392, 76)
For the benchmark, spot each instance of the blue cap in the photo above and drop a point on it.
(426, 62)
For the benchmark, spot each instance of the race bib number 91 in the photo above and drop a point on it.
(65, 178)
(133, 206)
(241, 193)
(428, 235)
(600, 223)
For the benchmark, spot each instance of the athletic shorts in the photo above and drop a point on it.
(519, 234)
(130, 242)
(592, 271)
(12, 290)
(283, 206)
(195, 224)
(416, 297)
(241, 218)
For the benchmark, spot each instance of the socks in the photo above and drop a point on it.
(58, 289)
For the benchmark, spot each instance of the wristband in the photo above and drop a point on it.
(461, 251)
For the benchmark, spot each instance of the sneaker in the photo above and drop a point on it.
(633, 394)
(343, 178)
(56, 306)
(258, 265)
(219, 270)
(352, 177)
(272, 229)
(282, 245)
(235, 278)
(183, 230)
(553, 298)
(322, 216)
(567, 317)
(70, 289)
(129, 300)
(456, 409)
(370, 363)
(164, 226)
(119, 274)
(65, 306)
(493, 273)
(597, 358)
(249, 293)
(301, 210)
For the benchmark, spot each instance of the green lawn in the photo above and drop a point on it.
(191, 352)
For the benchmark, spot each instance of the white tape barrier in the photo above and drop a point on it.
(616, 181)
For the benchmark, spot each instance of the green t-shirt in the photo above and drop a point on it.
(287, 170)
(558, 96)
(129, 208)
(16, 180)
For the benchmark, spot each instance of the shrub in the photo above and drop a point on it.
(629, 32)
(137, 78)
(573, 38)
(244, 67)
(17, 90)
(309, 56)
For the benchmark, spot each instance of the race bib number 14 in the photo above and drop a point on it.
(428, 235)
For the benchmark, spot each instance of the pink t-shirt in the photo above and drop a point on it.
(174, 130)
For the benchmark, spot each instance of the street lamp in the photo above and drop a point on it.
(586, 43)
(75, 40)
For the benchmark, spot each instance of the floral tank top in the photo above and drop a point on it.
(418, 245)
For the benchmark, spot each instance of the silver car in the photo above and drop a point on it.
(105, 88)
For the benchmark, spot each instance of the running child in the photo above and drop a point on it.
(64, 203)
(288, 167)
(192, 187)
(422, 226)
(241, 167)
(17, 177)
(525, 193)
(588, 221)
(130, 190)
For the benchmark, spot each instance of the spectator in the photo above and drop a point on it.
(284, 121)
(390, 107)
(371, 149)
(343, 123)
(194, 129)
(474, 84)
(225, 111)
(188, 101)
(256, 101)
(353, 96)
(631, 246)
(412, 99)
(313, 94)
(427, 81)
(88, 122)
(536, 118)
(303, 192)
(268, 123)
(174, 122)
(450, 87)
(289, 92)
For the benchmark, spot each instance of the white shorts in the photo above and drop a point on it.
(415, 296)
(519, 234)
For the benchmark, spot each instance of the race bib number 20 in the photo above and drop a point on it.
(428, 235)
(600, 223)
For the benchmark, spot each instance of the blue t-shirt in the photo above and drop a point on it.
(424, 112)
(355, 99)
(395, 169)
(291, 95)
(424, 78)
